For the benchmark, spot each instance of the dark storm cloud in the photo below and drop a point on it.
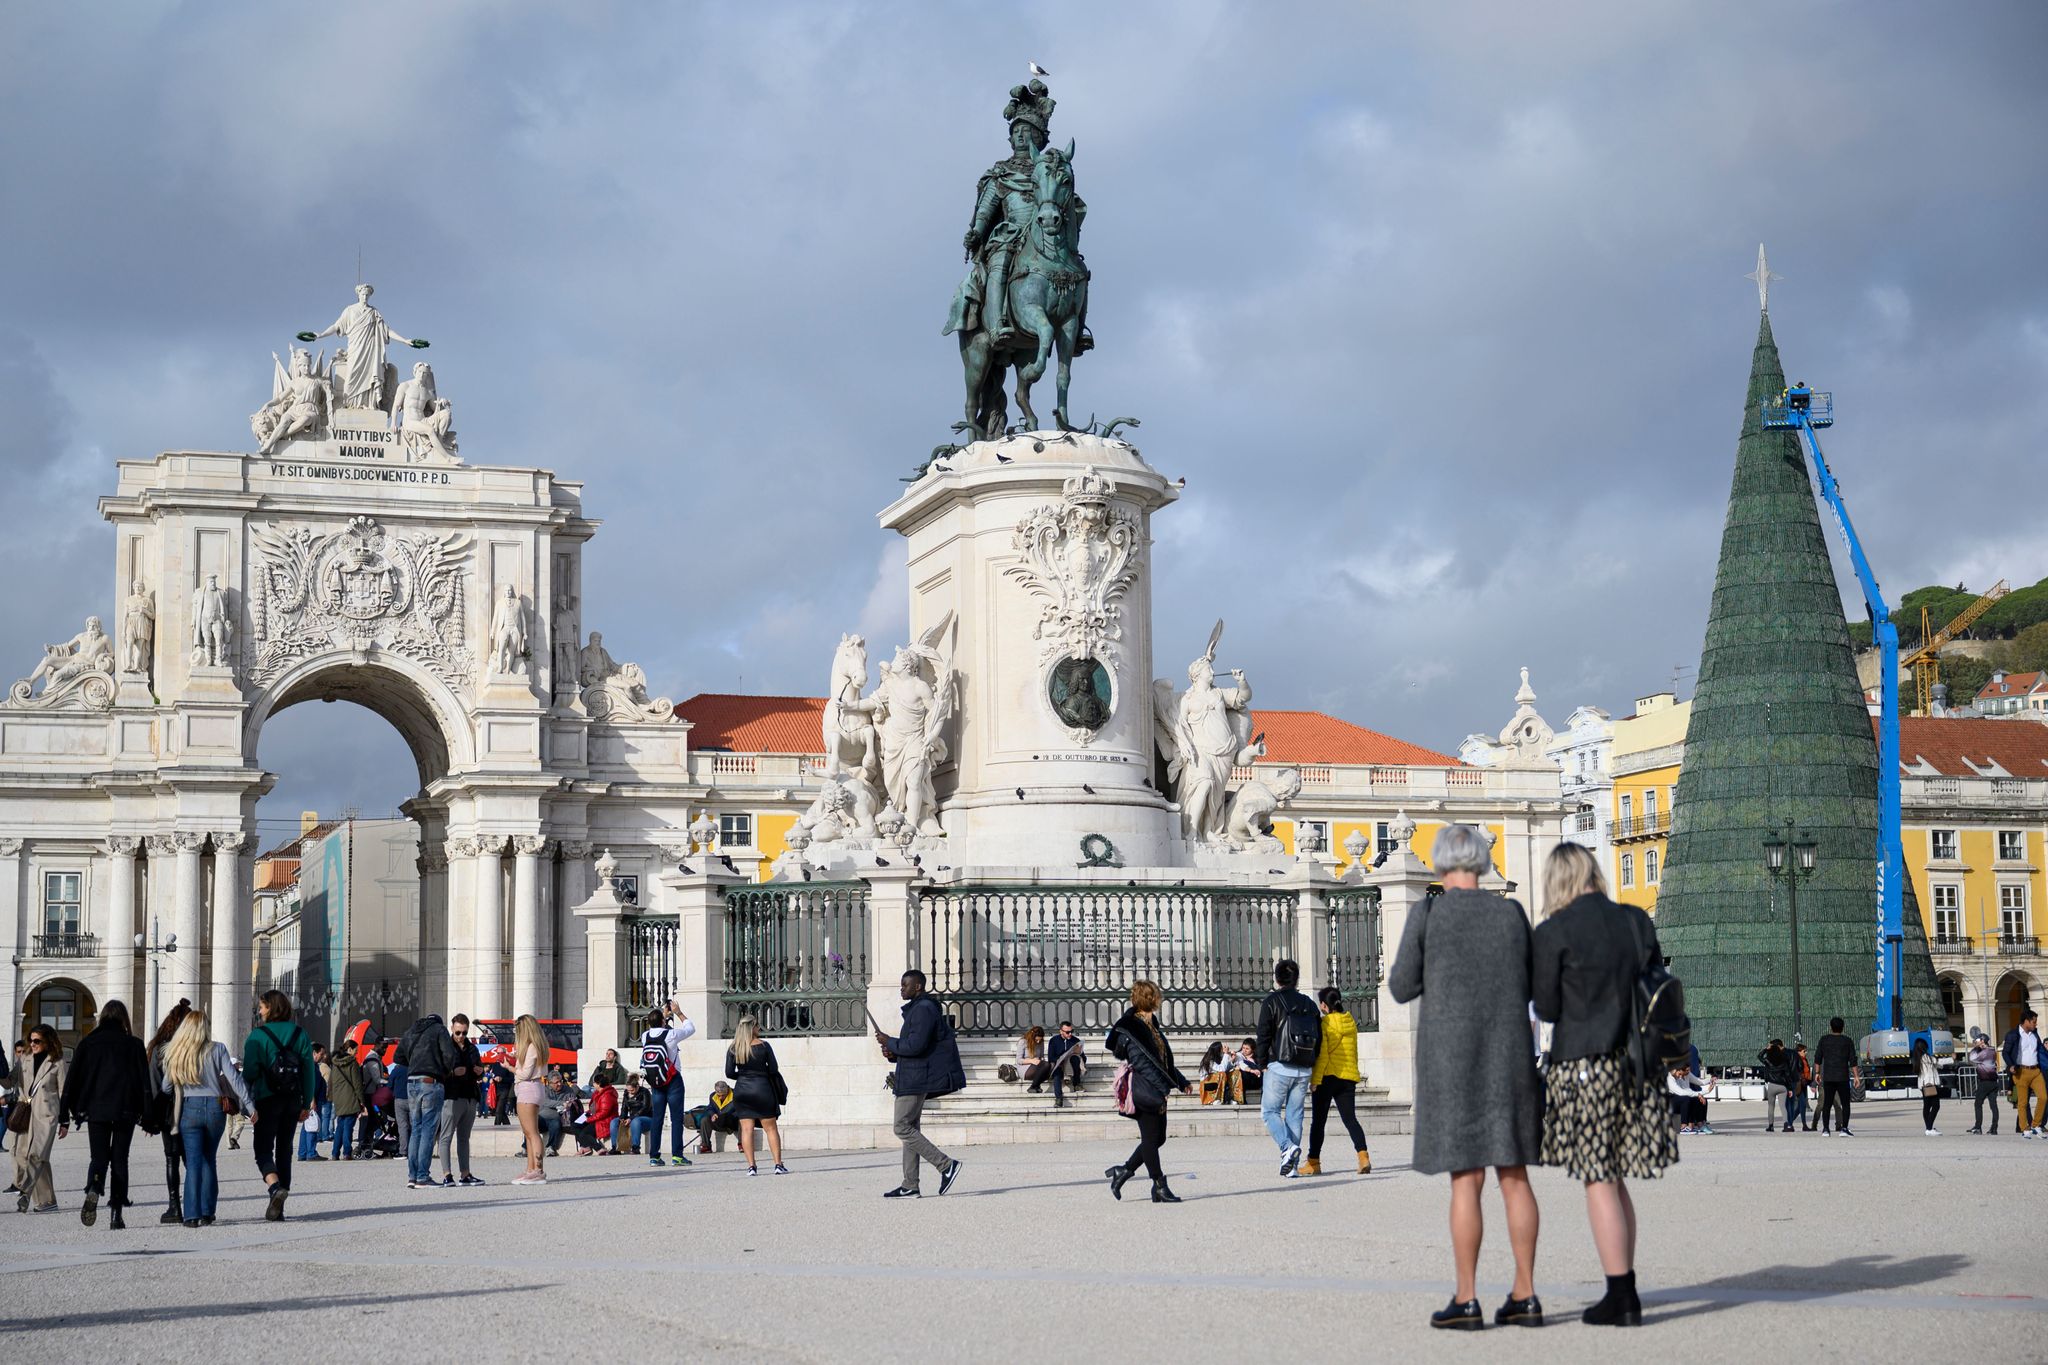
(1439, 311)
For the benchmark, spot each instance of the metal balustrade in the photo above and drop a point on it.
(66, 945)
(650, 962)
(796, 957)
(1005, 957)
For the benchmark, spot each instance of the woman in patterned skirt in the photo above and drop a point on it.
(1600, 1125)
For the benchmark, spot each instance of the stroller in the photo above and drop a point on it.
(377, 1129)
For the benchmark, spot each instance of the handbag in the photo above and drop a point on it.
(1126, 1102)
(18, 1117)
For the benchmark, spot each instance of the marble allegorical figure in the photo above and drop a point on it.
(1209, 734)
(138, 629)
(912, 707)
(1248, 823)
(363, 378)
(616, 691)
(422, 418)
(853, 752)
(300, 403)
(78, 671)
(213, 626)
(568, 650)
(508, 631)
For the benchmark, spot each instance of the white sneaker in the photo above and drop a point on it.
(1934, 1132)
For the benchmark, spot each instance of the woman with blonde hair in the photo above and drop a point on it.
(1137, 1042)
(1600, 1124)
(1465, 952)
(758, 1090)
(529, 1073)
(202, 1082)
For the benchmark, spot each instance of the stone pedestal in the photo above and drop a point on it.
(1389, 1054)
(604, 1006)
(892, 903)
(699, 900)
(1040, 549)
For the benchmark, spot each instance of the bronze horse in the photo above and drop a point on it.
(1048, 287)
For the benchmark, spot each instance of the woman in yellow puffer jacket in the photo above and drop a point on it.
(1335, 1081)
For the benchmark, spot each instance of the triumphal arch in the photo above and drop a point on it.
(352, 554)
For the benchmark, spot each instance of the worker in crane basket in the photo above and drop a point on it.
(1799, 397)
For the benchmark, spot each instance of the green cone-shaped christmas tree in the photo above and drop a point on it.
(1778, 729)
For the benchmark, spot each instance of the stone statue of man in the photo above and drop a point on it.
(508, 631)
(422, 418)
(298, 406)
(568, 653)
(89, 651)
(213, 629)
(359, 377)
(138, 629)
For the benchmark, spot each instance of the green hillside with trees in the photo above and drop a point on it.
(2016, 626)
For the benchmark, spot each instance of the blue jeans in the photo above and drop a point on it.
(424, 1098)
(1281, 1096)
(200, 1125)
(668, 1100)
(644, 1124)
(344, 1133)
(326, 1112)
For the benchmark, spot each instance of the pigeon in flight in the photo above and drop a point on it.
(729, 864)
(686, 869)
(1038, 70)
(1002, 458)
(1086, 788)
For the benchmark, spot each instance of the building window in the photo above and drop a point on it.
(735, 831)
(61, 902)
(1948, 924)
(1628, 869)
(2012, 911)
(57, 1007)
(1944, 845)
(1649, 867)
(2012, 846)
(1319, 829)
(1628, 810)
(1650, 811)
(1383, 843)
(1947, 897)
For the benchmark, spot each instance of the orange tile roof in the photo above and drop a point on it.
(274, 874)
(2013, 685)
(2018, 746)
(1312, 737)
(755, 725)
(289, 849)
(793, 725)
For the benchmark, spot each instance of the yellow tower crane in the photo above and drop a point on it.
(1926, 660)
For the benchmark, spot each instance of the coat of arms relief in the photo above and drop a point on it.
(1078, 558)
(360, 587)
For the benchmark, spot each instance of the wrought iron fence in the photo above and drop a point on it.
(1005, 957)
(1353, 965)
(796, 957)
(650, 962)
(66, 945)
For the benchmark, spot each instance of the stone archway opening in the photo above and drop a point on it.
(344, 927)
(2016, 995)
(64, 1005)
(1954, 998)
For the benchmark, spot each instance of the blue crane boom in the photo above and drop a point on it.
(1801, 409)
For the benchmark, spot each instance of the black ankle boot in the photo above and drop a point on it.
(173, 1214)
(1620, 1307)
(1162, 1195)
(1119, 1176)
(115, 1221)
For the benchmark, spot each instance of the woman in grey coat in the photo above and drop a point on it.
(1477, 1103)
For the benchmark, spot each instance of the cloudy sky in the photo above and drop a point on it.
(1439, 309)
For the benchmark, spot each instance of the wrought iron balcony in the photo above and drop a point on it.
(1953, 945)
(1646, 826)
(2017, 945)
(67, 945)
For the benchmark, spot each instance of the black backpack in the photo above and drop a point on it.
(1660, 1032)
(654, 1067)
(1299, 1036)
(285, 1072)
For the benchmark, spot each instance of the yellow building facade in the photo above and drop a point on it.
(1645, 758)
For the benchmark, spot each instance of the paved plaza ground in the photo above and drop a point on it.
(1890, 1245)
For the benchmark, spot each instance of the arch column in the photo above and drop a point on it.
(487, 945)
(188, 965)
(530, 986)
(228, 961)
(123, 918)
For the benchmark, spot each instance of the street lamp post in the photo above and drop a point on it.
(1805, 858)
(154, 945)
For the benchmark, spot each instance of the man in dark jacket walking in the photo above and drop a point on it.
(1836, 1056)
(927, 1058)
(1289, 1037)
(429, 1057)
